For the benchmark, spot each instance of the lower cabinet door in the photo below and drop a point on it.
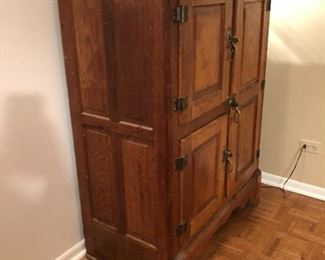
(202, 177)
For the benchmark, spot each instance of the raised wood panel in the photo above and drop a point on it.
(204, 64)
(92, 67)
(140, 185)
(252, 29)
(102, 177)
(135, 44)
(207, 44)
(247, 136)
(205, 173)
(202, 180)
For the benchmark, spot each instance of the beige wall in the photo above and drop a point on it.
(39, 206)
(295, 94)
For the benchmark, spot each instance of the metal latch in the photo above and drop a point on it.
(181, 162)
(181, 229)
(227, 154)
(181, 104)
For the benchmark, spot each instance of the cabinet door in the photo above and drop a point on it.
(203, 61)
(248, 73)
(202, 179)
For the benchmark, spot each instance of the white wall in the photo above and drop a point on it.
(295, 93)
(39, 205)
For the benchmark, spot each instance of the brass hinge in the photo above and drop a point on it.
(227, 154)
(268, 7)
(258, 154)
(181, 228)
(181, 14)
(263, 83)
(180, 104)
(181, 162)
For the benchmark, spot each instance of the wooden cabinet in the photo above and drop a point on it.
(166, 100)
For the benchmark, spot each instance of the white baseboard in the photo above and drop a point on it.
(294, 186)
(76, 252)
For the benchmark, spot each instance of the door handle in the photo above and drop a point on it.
(229, 166)
(232, 47)
(233, 104)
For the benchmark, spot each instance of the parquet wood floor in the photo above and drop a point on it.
(280, 227)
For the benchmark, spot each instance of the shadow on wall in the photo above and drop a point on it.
(34, 183)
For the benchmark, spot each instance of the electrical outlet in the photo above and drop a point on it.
(312, 146)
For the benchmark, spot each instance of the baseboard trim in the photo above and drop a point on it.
(294, 186)
(76, 252)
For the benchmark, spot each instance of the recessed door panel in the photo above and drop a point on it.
(101, 177)
(91, 50)
(202, 179)
(204, 63)
(253, 14)
(246, 136)
(140, 180)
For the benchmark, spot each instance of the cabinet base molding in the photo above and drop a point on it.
(248, 195)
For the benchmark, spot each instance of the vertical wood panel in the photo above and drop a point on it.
(247, 135)
(208, 34)
(134, 31)
(102, 177)
(140, 181)
(251, 41)
(91, 56)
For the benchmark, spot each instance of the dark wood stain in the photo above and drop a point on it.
(126, 63)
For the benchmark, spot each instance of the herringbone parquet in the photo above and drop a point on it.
(280, 227)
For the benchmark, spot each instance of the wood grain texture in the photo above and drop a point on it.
(114, 57)
(140, 180)
(204, 65)
(91, 50)
(203, 179)
(126, 63)
(252, 28)
(280, 227)
(248, 71)
(103, 179)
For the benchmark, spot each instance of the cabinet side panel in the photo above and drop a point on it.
(115, 67)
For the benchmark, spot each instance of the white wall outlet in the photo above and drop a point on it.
(312, 146)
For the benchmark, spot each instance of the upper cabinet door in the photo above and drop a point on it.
(203, 56)
(248, 72)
